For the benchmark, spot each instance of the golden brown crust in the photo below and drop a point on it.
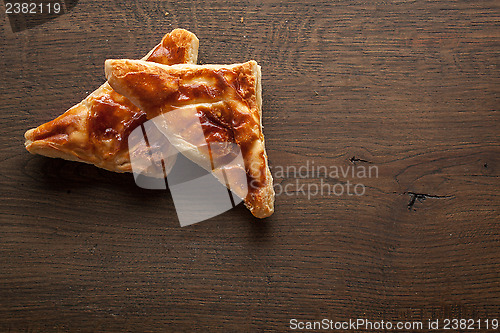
(227, 99)
(178, 47)
(96, 130)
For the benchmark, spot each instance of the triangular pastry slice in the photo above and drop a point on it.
(95, 131)
(226, 99)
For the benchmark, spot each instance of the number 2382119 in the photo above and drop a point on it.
(32, 8)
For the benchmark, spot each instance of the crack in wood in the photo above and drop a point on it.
(353, 160)
(422, 196)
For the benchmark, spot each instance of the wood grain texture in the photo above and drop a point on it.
(410, 87)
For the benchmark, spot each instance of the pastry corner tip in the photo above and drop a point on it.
(28, 135)
(109, 65)
(180, 32)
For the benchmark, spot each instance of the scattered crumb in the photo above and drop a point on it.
(241, 19)
(166, 13)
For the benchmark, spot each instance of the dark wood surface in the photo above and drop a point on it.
(411, 87)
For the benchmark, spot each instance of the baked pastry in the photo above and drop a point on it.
(225, 99)
(95, 131)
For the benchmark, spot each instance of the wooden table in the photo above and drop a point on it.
(410, 89)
